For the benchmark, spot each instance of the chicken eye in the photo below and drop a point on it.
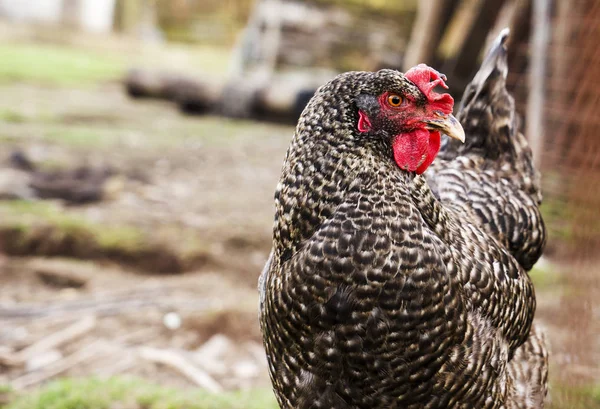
(395, 100)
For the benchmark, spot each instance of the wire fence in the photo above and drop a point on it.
(570, 152)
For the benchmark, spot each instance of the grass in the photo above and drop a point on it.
(558, 219)
(57, 65)
(25, 214)
(12, 116)
(6, 394)
(133, 393)
(48, 117)
(78, 135)
(71, 66)
(45, 229)
(574, 397)
(545, 276)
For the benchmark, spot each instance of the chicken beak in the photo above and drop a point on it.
(447, 124)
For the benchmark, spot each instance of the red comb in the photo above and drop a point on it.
(426, 79)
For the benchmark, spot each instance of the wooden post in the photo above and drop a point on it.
(247, 46)
(426, 32)
(537, 77)
(128, 15)
(272, 38)
(70, 13)
(465, 39)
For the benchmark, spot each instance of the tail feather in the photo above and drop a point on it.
(487, 111)
(473, 176)
(528, 373)
(492, 73)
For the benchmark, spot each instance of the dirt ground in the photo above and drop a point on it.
(194, 194)
(189, 186)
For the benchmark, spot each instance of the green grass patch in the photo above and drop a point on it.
(574, 397)
(133, 393)
(57, 65)
(51, 130)
(71, 66)
(26, 215)
(79, 135)
(45, 229)
(558, 219)
(11, 116)
(6, 394)
(544, 275)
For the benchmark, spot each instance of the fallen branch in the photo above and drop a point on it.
(57, 339)
(116, 366)
(179, 363)
(84, 354)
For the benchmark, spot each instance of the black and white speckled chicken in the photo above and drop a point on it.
(491, 176)
(377, 294)
(491, 179)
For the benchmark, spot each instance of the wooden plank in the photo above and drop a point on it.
(95, 350)
(182, 365)
(59, 338)
(473, 23)
(427, 31)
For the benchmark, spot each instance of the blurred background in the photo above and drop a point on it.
(140, 145)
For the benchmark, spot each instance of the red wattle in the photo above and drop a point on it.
(432, 151)
(415, 151)
(410, 149)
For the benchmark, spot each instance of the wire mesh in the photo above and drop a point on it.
(570, 157)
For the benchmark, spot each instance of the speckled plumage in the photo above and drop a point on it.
(376, 294)
(491, 177)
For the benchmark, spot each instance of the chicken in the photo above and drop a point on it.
(377, 294)
(491, 178)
